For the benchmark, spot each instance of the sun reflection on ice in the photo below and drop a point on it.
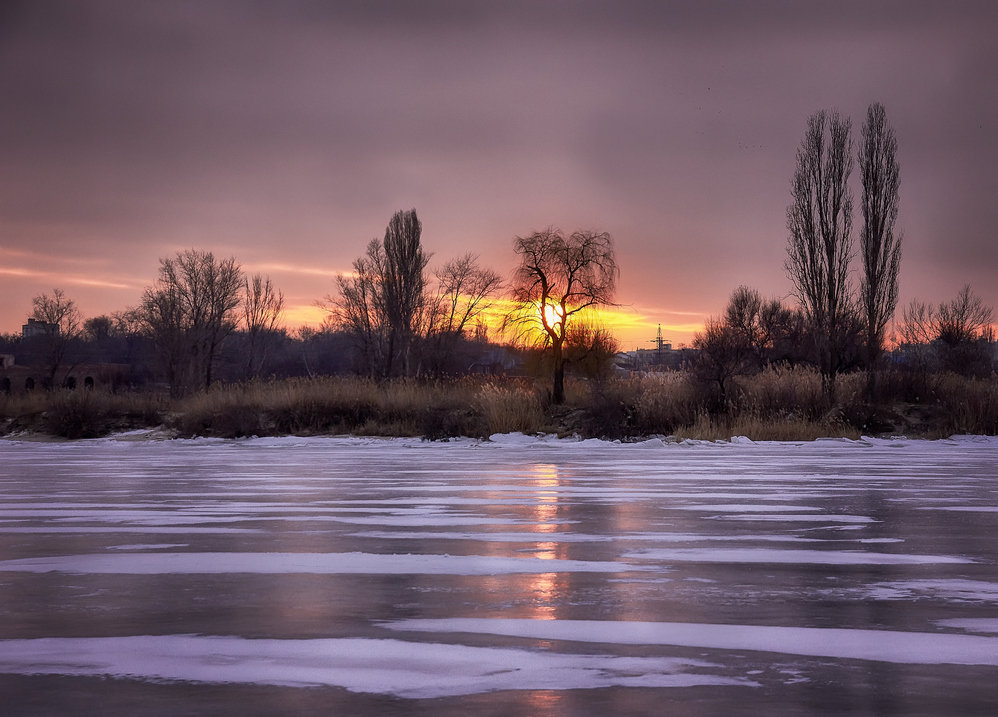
(545, 509)
(546, 587)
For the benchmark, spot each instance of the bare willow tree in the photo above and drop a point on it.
(262, 307)
(61, 325)
(465, 291)
(188, 313)
(880, 246)
(819, 248)
(557, 278)
(382, 303)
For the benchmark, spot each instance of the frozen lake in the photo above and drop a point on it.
(520, 576)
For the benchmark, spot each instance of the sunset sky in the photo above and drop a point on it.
(288, 133)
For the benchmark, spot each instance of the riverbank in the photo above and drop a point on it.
(777, 404)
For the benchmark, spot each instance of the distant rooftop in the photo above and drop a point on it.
(38, 328)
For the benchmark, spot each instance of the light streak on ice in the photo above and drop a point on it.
(318, 563)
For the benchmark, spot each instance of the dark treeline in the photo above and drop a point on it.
(120, 354)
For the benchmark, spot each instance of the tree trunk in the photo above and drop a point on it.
(558, 391)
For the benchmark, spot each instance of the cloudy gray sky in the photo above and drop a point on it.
(287, 133)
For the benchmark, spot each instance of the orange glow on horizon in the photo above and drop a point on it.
(631, 328)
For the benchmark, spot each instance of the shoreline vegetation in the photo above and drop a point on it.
(777, 403)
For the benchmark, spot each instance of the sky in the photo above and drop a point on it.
(287, 134)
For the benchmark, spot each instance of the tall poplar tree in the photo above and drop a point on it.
(819, 248)
(880, 246)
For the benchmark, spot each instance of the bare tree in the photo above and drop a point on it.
(963, 320)
(761, 323)
(189, 311)
(954, 335)
(724, 352)
(819, 248)
(880, 246)
(357, 307)
(382, 303)
(61, 325)
(557, 278)
(262, 306)
(465, 291)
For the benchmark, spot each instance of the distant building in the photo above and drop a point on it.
(38, 328)
(6, 360)
(665, 358)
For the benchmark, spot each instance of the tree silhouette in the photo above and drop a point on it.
(880, 246)
(963, 320)
(465, 291)
(403, 286)
(557, 278)
(819, 247)
(62, 325)
(262, 307)
(382, 303)
(188, 313)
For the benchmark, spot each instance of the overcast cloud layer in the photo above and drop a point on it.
(288, 133)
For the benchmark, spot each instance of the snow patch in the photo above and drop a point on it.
(799, 557)
(876, 645)
(392, 667)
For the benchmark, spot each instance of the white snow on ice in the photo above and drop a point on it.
(802, 518)
(878, 645)
(393, 667)
(804, 557)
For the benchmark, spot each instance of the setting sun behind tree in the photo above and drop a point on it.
(557, 278)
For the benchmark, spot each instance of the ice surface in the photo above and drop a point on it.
(802, 518)
(742, 508)
(317, 563)
(958, 591)
(986, 625)
(804, 557)
(522, 564)
(394, 667)
(878, 645)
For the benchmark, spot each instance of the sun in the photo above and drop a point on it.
(551, 314)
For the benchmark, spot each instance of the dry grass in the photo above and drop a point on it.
(361, 406)
(508, 408)
(80, 413)
(716, 428)
(969, 405)
(776, 404)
